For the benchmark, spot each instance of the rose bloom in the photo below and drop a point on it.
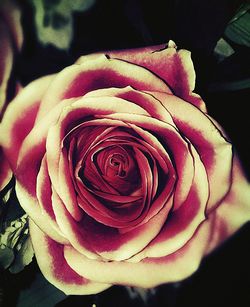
(125, 177)
(11, 39)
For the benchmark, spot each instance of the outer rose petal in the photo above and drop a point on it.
(20, 116)
(78, 80)
(214, 149)
(234, 210)
(174, 67)
(49, 255)
(11, 37)
(6, 61)
(146, 273)
(12, 15)
(31, 206)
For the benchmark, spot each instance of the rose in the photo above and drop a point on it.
(11, 39)
(125, 177)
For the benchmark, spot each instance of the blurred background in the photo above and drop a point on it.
(217, 33)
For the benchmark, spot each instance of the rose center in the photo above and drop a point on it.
(118, 168)
(118, 164)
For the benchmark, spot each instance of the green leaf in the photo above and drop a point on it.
(24, 255)
(6, 256)
(223, 50)
(40, 293)
(11, 210)
(229, 86)
(54, 20)
(238, 29)
(17, 250)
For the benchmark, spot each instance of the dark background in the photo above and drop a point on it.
(224, 277)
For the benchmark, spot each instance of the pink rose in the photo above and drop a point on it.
(125, 177)
(11, 38)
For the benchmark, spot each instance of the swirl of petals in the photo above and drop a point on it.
(116, 134)
(90, 236)
(147, 119)
(197, 195)
(118, 217)
(177, 146)
(112, 196)
(53, 136)
(63, 133)
(56, 135)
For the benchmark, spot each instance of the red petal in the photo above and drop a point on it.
(148, 102)
(11, 14)
(20, 116)
(146, 273)
(33, 149)
(6, 61)
(77, 80)
(182, 223)
(50, 258)
(215, 151)
(174, 67)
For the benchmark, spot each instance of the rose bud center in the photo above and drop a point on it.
(119, 168)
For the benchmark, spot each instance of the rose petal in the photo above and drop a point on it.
(20, 116)
(233, 211)
(77, 80)
(146, 273)
(6, 61)
(71, 228)
(33, 149)
(32, 208)
(181, 264)
(50, 258)
(215, 151)
(66, 188)
(175, 143)
(44, 193)
(148, 102)
(182, 223)
(11, 14)
(174, 67)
